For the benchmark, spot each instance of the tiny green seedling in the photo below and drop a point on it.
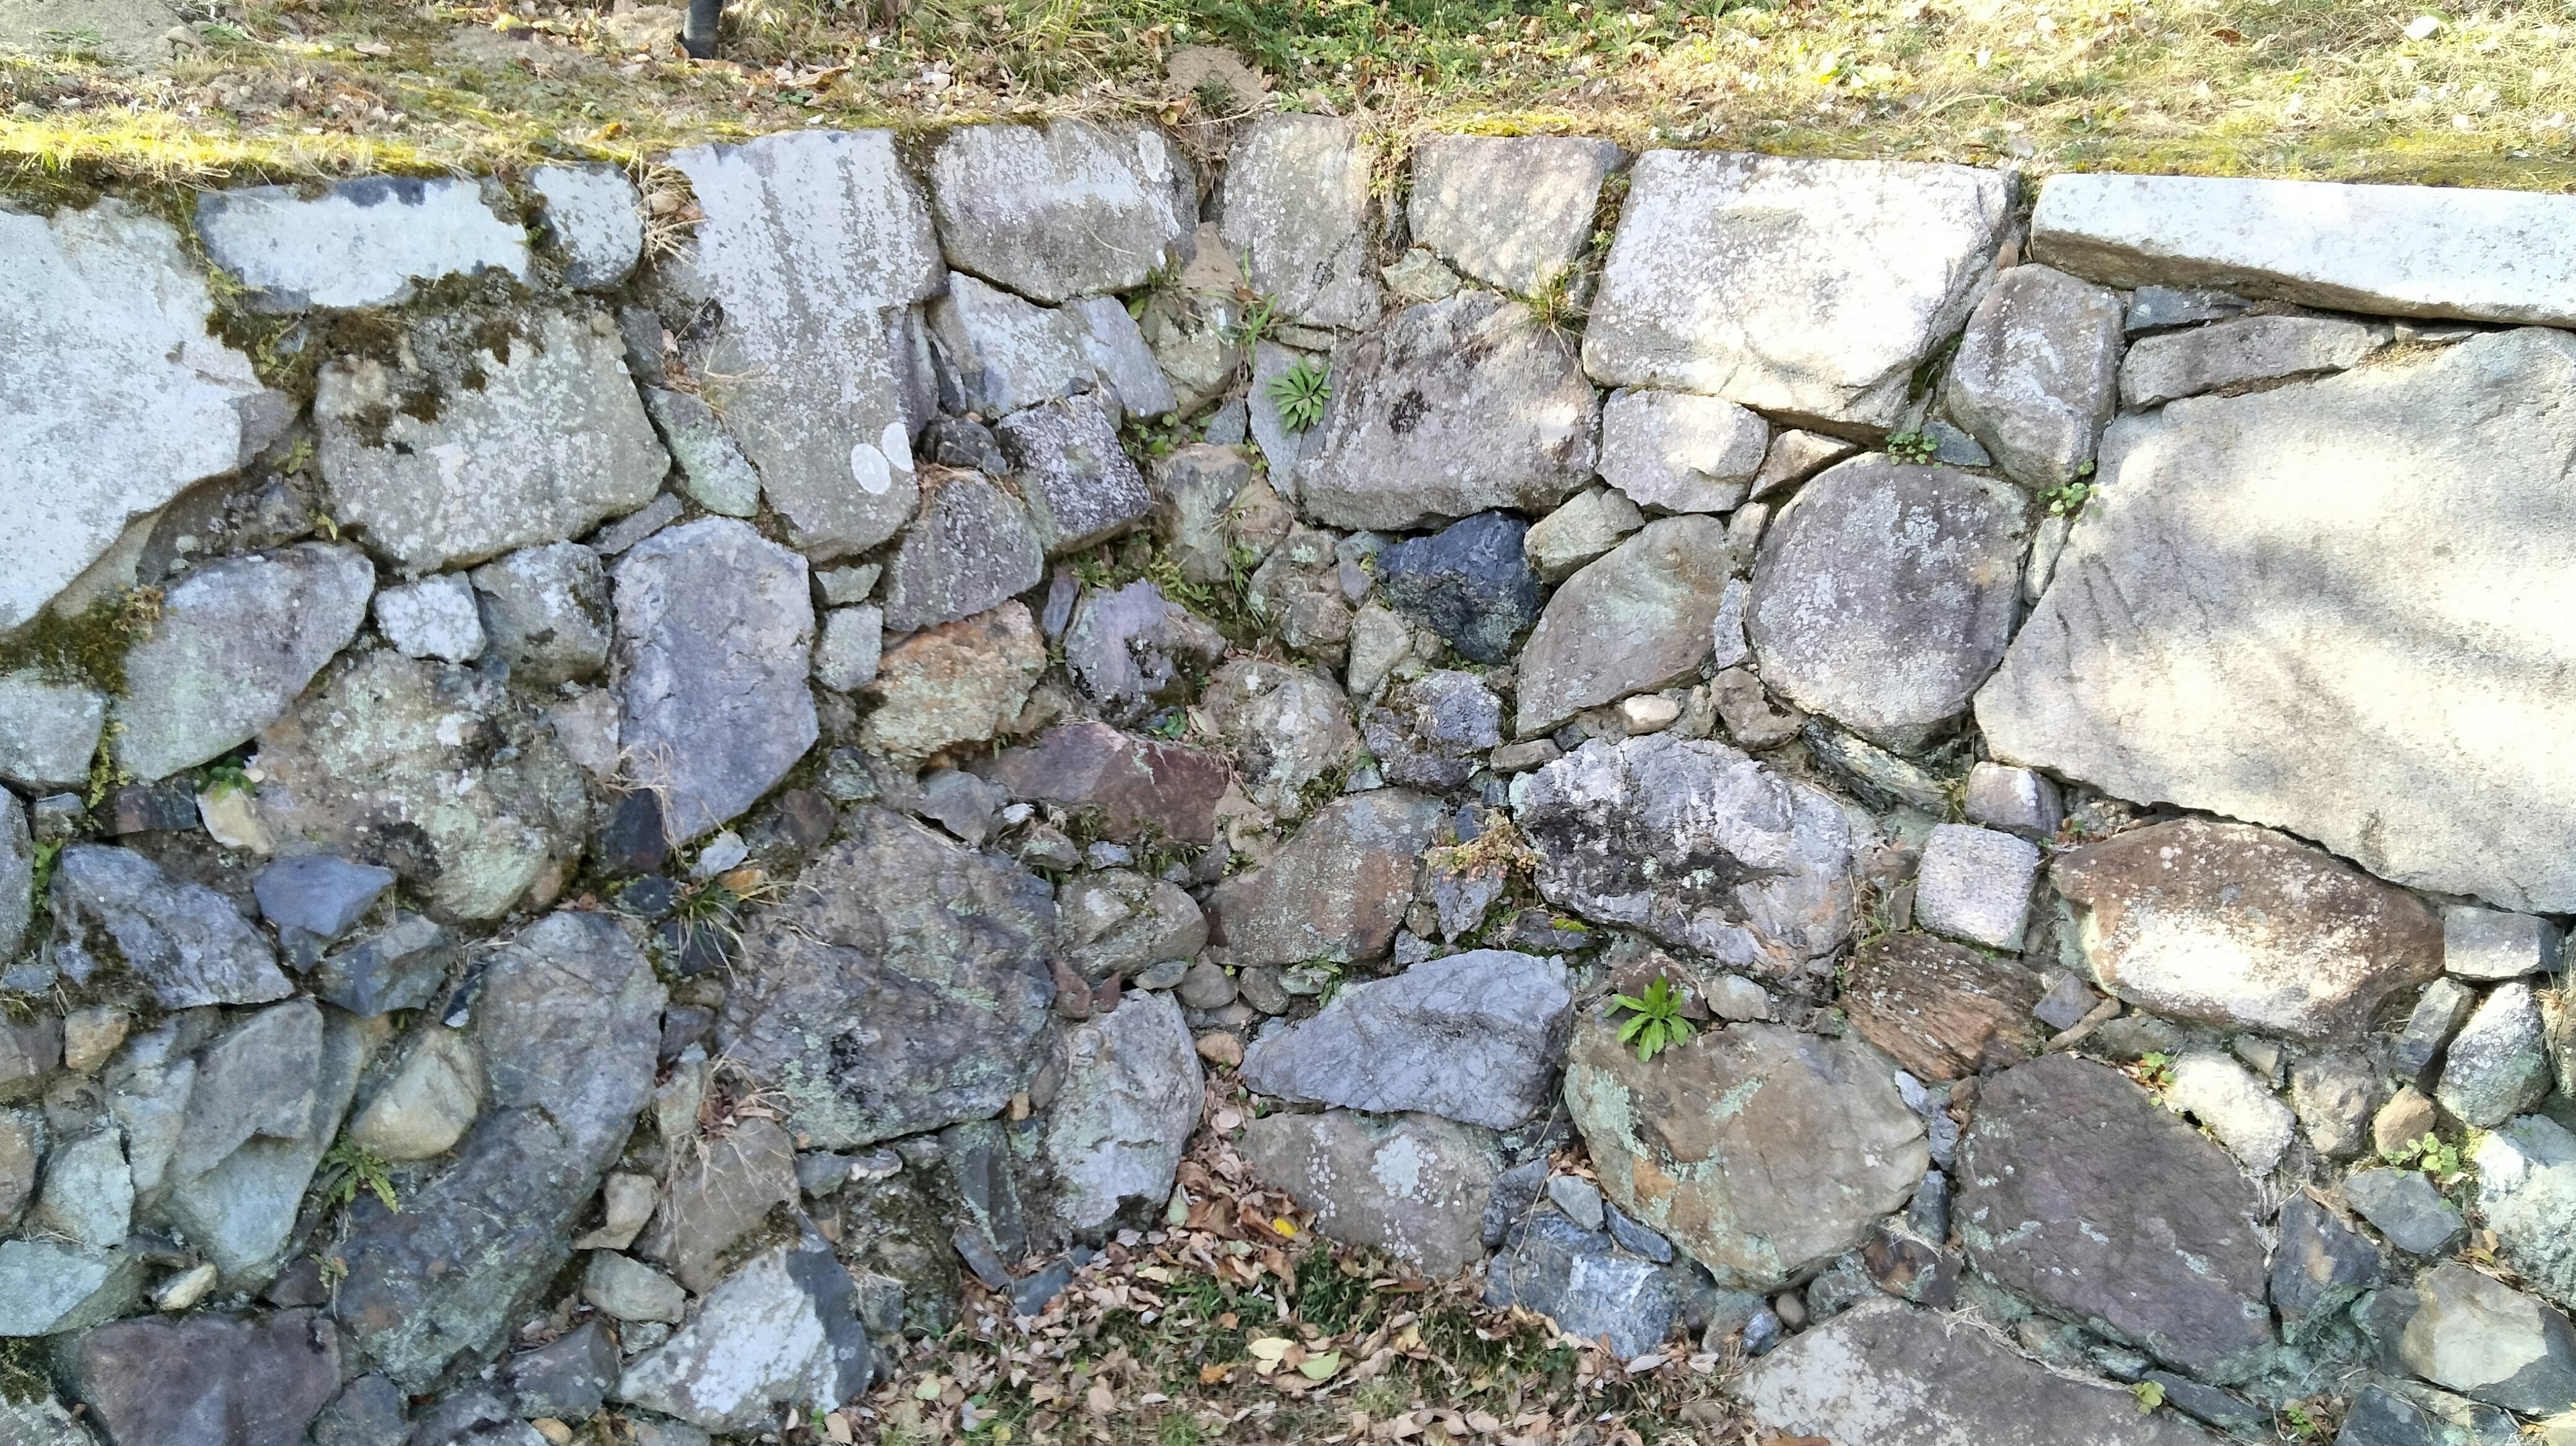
(2150, 1395)
(2433, 1157)
(1301, 393)
(1916, 447)
(351, 1166)
(1655, 1022)
(2068, 500)
(2155, 1070)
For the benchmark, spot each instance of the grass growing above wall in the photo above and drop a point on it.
(2323, 88)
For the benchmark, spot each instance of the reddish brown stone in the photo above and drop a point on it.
(1138, 785)
(1940, 1009)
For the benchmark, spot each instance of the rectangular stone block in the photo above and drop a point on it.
(2490, 944)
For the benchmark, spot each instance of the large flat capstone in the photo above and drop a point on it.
(1297, 207)
(2342, 608)
(1470, 1037)
(1070, 210)
(360, 243)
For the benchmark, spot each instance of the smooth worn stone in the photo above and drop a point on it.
(396, 968)
(596, 218)
(1940, 1011)
(566, 1025)
(2526, 1187)
(429, 1103)
(2155, 308)
(1131, 648)
(553, 442)
(1470, 1037)
(1658, 592)
(1117, 349)
(567, 1377)
(1117, 921)
(1114, 1133)
(781, 1331)
(1336, 892)
(2320, 1266)
(234, 645)
(1695, 844)
(1893, 1375)
(627, 1202)
(1414, 1186)
(1433, 731)
(88, 1195)
(1885, 593)
(1762, 1152)
(1204, 985)
(546, 608)
(1134, 784)
(2234, 353)
(1577, 1278)
(318, 894)
(722, 1193)
(715, 624)
(2241, 926)
(432, 618)
(2080, 1192)
(181, 941)
(2439, 1011)
(2327, 692)
(1297, 205)
(1069, 210)
(108, 324)
(1753, 718)
(1514, 212)
(814, 242)
(2334, 1097)
(2488, 944)
(851, 648)
(2498, 1064)
(971, 547)
(49, 730)
(1288, 729)
(2015, 800)
(1974, 884)
(1589, 524)
(2382, 250)
(2035, 376)
(1420, 277)
(903, 988)
(1005, 354)
(213, 1379)
(2407, 1118)
(960, 682)
(1078, 482)
(1455, 407)
(1674, 452)
(718, 477)
(1468, 582)
(628, 1290)
(53, 1287)
(635, 526)
(369, 767)
(1809, 288)
(366, 242)
(2486, 1340)
(2233, 1105)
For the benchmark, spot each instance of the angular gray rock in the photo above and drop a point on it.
(111, 326)
(1470, 583)
(1892, 1375)
(48, 730)
(17, 878)
(2232, 353)
(2036, 373)
(1414, 1186)
(1117, 921)
(1006, 354)
(1578, 1278)
(2082, 1193)
(851, 649)
(1288, 729)
(2335, 1097)
(596, 218)
(1885, 593)
(1675, 452)
(1589, 524)
(720, 1193)
(2241, 926)
(2384, 250)
(781, 1331)
(182, 941)
(1194, 498)
(43, 1422)
(1116, 346)
(1435, 730)
(51, 1287)
(1337, 891)
(1974, 884)
(1297, 207)
(715, 627)
(2489, 945)
(1697, 845)
(628, 1290)
(2526, 1187)
(432, 618)
(88, 1195)
(546, 609)
(2324, 691)
(263, 1103)
(1470, 1037)
(1514, 212)
(1070, 210)
(1114, 1133)
(1454, 408)
(318, 895)
(234, 644)
(360, 243)
(901, 987)
(1658, 592)
(2406, 1207)
(971, 547)
(1133, 647)
(2320, 1266)
(2015, 800)
(217, 1379)
(428, 1103)
(567, 1025)
(1080, 486)
(2498, 1064)
(2484, 1339)
(718, 477)
(552, 443)
(959, 682)
(1806, 288)
(814, 242)
(2439, 1012)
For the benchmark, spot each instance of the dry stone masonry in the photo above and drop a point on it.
(675, 808)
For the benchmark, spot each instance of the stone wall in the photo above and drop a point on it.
(751, 758)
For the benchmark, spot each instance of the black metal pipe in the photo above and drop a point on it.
(698, 32)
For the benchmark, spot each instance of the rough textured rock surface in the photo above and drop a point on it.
(2236, 925)
(1468, 582)
(360, 243)
(2036, 373)
(183, 941)
(2081, 1192)
(2484, 1339)
(781, 1331)
(1697, 845)
(546, 611)
(1287, 727)
(595, 216)
(1578, 1278)
(1137, 784)
(1435, 730)
(2497, 1065)
(1805, 288)
(1974, 884)
(1131, 647)
(2326, 691)
(1456, 407)
(2234, 353)
(17, 881)
(1337, 891)
(1069, 210)
(899, 988)
(1414, 1186)
(1675, 452)
(1079, 483)
(235, 643)
(2526, 1187)
(1003, 353)
(722, 1191)
(1115, 1131)
(1942, 1012)
(1470, 1037)
(960, 682)
(1885, 593)
(1297, 206)
(553, 441)
(1760, 1151)
(209, 1378)
(49, 729)
(1514, 212)
(1658, 592)
(971, 548)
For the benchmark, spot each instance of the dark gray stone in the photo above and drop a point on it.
(399, 968)
(1133, 647)
(2153, 308)
(2319, 1267)
(1636, 1239)
(2404, 1206)
(318, 895)
(367, 1412)
(1473, 1037)
(1470, 582)
(183, 941)
(1515, 1191)
(1078, 482)
(566, 1378)
(1433, 731)
(970, 547)
(1577, 1278)
(17, 876)
(2213, 1406)
(2439, 1012)
(1336, 892)
(211, 1379)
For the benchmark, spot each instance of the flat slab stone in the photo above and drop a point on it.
(554, 442)
(1761, 1151)
(1514, 212)
(781, 1331)
(1297, 208)
(210, 1378)
(1892, 1375)
(1069, 210)
(49, 729)
(1138, 784)
(1337, 891)
(1470, 1037)
(183, 941)
(2405, 513)
(360, 243)
(1414, 1186)
(2079, 1191)
(2234, 353)
(1675, 452)
(1941, 1011)
(1659, 593)
(814, 242)
(2385, 250)
(2241, 926)
(2485, 1339)
(107, 323)
(1802, 287)
(1006, 353)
